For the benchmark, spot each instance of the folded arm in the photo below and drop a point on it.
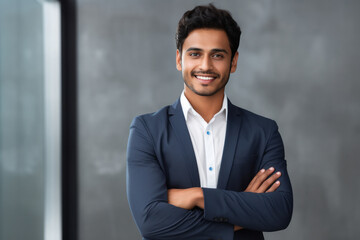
(264, 181)
(266, 205)
(148, 199)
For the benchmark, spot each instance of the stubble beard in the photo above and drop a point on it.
(207, 94)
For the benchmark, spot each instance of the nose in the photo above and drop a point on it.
(206, 63)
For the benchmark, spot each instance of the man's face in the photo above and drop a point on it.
(205, 61)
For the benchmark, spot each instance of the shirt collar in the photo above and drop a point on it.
(186, 106)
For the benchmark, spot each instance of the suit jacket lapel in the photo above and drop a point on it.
(231, 139)
(177, 121)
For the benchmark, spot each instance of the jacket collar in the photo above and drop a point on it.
(177, 121)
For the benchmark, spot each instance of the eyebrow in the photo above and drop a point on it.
(219, 50)
(212, 50)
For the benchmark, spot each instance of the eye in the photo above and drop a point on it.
(194, 54)
(218, 56)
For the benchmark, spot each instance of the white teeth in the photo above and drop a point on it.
(205, 78)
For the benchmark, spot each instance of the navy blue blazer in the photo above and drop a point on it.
(160, 156)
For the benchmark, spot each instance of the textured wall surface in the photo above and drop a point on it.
(298, 64)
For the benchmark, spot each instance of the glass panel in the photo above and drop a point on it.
(24, 132)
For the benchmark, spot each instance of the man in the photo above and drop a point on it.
(203, 168)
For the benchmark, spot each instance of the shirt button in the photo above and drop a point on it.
(210, 168)
(208, 132)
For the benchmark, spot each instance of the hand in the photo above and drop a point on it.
(237, 228)
(186, 198)
(263, 183)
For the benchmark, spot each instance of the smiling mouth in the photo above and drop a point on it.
(205, 78)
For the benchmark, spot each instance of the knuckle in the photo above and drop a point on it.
(267, 183)
(263, 177)
(268, 173)
(270, 179)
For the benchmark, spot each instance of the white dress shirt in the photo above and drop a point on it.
(207, 140)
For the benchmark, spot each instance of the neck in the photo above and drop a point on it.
(206, 106)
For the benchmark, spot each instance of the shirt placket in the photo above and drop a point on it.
(210, 157)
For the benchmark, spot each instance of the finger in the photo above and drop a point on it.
(260, 180)
(274, 187)
(266, 184)
(254, 179)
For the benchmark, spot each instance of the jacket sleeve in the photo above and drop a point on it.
(256, 211)
(147, 196)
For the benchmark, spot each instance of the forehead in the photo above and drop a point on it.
(207, 39)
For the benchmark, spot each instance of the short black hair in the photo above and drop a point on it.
(208, 16)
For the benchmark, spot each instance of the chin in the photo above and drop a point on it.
(205, 93)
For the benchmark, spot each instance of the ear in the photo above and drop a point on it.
(178, 60)
(234, 62)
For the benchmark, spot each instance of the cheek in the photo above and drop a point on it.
(189, 64)
(225, 68)
(186, 68)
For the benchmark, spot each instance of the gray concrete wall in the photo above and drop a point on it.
(298, 64)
